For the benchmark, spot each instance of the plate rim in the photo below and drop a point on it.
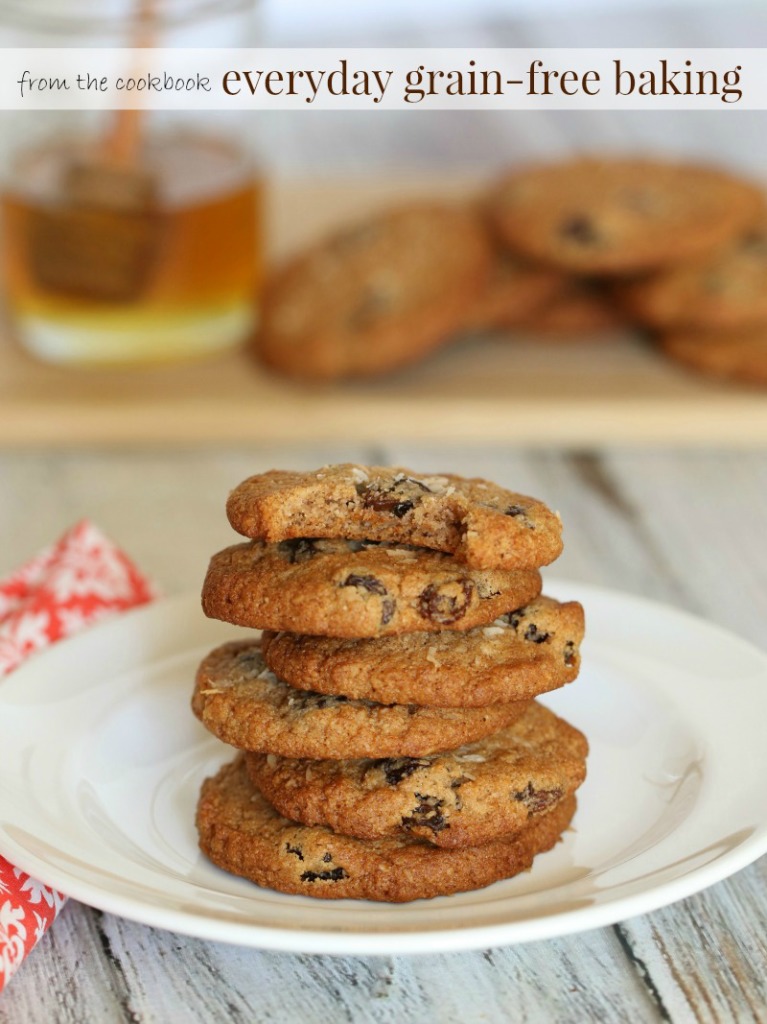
(409, 941)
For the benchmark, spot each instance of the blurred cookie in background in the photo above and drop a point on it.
(376, 296)
(573, 252)
(582, 309)
(726, 290)
(515, 287)
(620, 216)
(737, 355)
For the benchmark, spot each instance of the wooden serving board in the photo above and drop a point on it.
(499, 391)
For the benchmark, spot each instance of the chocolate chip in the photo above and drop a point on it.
(444, 608)
(295, 850)
(570, 653)
(537, 800)
(535, 635)
(579, 229)
(427, 814)
(334, 875)
(327, 858)
(396, 769)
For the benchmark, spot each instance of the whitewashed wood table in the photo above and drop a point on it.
(684, 527)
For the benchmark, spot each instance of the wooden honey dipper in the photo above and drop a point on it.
(99, 236)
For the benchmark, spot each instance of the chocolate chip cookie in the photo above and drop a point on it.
(238, 699)
(240, 832)
(376, 296)
(621, 216)
(357, 589)
(522, 654)
(462, 797)
(481, 524)
(725, 291)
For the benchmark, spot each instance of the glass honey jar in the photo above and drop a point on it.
(130, 237)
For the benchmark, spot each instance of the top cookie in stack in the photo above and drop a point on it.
(481, 524)
(405, 641)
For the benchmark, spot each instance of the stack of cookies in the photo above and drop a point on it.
(677, 248)
(389, 743)
(554, 252)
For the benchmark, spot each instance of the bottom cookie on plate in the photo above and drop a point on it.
(242, 833)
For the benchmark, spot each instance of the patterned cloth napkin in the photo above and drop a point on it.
(77, 581)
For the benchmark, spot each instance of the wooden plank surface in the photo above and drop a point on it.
(493, 390)
(685, 527)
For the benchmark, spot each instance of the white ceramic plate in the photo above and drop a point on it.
(101, 761)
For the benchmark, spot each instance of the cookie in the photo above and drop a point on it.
(463, 797)
(621, 216)
(356, 589)
(514, 291)
(725, 291)
(375, 297)
(736, 355)
(580, 307)
(481, 524)
(522, 654)
(239, 700)
(240, 832)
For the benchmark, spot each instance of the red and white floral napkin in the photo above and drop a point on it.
(79, 580)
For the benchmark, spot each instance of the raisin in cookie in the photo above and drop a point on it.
(462, 797)
(621, 216)
(522, 654)
(375, 297)
(481, 524)
(238, 699)
(735, 355)
(353, 588)
(240, 832)
(725, 291)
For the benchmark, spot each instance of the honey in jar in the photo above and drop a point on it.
(165, 265)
